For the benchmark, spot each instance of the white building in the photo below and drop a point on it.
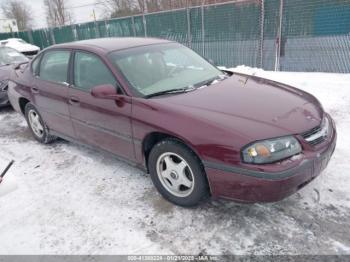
(8, 25)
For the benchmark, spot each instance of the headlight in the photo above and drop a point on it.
(271, 150)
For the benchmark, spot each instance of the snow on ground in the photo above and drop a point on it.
(75, 200)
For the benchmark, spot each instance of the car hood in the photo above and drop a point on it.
(251, 106)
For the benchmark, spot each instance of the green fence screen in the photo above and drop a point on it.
(289, 35)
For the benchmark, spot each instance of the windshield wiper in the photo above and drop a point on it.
(189, 88)
(171, 91)
(210, 81)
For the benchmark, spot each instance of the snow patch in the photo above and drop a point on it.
(74, 200)
(8, 185)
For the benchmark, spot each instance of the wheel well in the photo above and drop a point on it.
(153, 138)
(22, 104)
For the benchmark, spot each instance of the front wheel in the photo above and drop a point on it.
(177, 173)
(37, 125)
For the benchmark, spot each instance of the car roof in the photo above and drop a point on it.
(112, 43)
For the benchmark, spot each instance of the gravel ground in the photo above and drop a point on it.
(74, 200)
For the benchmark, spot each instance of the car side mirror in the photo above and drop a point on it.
(106, 91)
(211, 61)
(19, 65)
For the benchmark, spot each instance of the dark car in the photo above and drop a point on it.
(8, 58)
(197, 130)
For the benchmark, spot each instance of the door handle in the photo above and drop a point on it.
(74, 101)
(35, 90)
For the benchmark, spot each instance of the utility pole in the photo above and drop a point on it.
(94, 15)
(145, 11)
(95, 22)
(279, 38)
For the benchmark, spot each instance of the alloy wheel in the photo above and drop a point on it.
(175, 174)
(35, 123)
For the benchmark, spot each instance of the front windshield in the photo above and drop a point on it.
(159, 68)
(10, 56)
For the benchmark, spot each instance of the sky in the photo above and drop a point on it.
(81, 10)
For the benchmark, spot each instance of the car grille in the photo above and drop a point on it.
(318, 134)
(317, 141)
(3, 85)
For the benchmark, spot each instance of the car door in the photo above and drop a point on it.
(50, 91)
(104, 123)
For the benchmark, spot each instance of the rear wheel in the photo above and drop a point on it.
(37, 125)
(177, 173)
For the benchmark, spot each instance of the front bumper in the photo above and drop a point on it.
(247, 185)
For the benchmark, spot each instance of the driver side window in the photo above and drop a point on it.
(90, 71)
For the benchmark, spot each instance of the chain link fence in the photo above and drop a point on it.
(287, 35)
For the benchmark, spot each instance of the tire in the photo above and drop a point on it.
(177, 173)
(37, 127)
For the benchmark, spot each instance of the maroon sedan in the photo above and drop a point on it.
(197, 130)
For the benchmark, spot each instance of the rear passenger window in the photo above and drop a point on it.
(54, 66)
(90, 71)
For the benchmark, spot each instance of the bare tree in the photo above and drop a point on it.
(56, 13)
(142, 7)
(118, 8)
(19, 10)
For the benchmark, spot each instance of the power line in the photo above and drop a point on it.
(85, 5)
